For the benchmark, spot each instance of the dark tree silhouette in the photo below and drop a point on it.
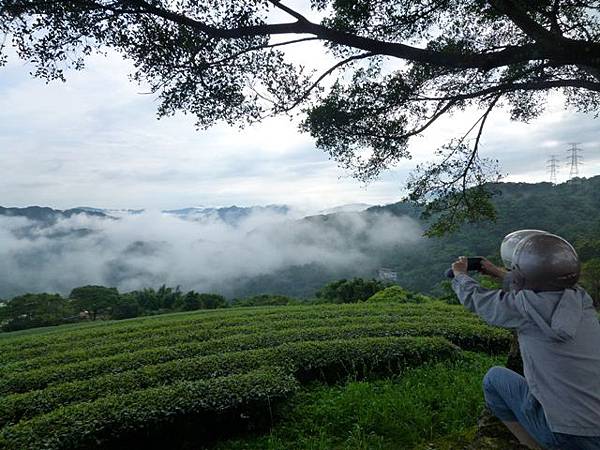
(401, 65)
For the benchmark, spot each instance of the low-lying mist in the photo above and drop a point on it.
(204, 254)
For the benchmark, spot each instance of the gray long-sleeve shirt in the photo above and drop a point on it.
(559, 336)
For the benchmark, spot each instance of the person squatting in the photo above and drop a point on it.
(556, 405)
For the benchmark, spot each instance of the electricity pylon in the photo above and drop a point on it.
(553, 168)
(574, 160)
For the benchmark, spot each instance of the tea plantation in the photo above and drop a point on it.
(223, 377)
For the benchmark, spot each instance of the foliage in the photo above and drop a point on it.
(35, 310)
(328, 360)
(24, 354)
(193, 300)
(125, 307)
(264, 300)
(38, 310)
(395, 72)
(448, 296)
(395, 294)
(424, 403)
(590, 278)
(468, 334)
(571, 210)
(154, 300)
(588, 247)
(96, 299)
(111, 383)
(91, 425)
(350, 291)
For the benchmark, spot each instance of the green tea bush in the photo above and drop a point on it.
(396, 294)
(325, 360)
(92, 387)
(33, 346)
(91, 425)
(468, 335)
(194, 332)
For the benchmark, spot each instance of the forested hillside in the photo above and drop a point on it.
(571, 210)
(277, 254)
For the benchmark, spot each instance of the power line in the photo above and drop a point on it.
(574, 160)
(552, 166)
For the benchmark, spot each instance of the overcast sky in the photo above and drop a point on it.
(95, 141)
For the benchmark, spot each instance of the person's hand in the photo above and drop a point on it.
(488, 268)
(460, 266)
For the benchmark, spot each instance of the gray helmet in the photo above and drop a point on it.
(545, 262)
(510, 242)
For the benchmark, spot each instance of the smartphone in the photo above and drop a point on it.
(474, 263)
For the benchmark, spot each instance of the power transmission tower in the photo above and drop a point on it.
(553, 168)
(574, 159)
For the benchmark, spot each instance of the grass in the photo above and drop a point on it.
(422, 405)
(128, 377)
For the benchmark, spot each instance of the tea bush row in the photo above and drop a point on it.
(306, 360)
(91, 425)
(118, 344)
(468, 335)
(152, 324)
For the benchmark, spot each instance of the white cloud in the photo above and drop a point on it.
(152, 248)
(95, 141)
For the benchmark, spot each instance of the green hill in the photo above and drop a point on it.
(187, 380)
(571, 210)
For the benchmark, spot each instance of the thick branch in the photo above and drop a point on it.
(586, 53)
(526, 86)
(520, 18)
(554, 26)
(548, 46)
(510, 55)
(296, 15)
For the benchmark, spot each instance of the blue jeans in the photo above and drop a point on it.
(507, 396)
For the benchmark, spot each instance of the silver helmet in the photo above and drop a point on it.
(510, 242)
(545, 262)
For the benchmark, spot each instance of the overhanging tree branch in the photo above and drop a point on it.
(486, 61)
(328, 72)
(205, 57)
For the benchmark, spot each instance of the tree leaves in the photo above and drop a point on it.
(422, 59)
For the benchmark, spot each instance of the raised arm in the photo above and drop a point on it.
(494, 306)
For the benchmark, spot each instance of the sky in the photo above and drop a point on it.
(95, 141)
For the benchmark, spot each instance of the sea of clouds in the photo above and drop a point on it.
(135, 251)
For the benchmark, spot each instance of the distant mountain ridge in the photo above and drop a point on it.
(230, 214)
(350, 207)
(45, 214)
(570, 209)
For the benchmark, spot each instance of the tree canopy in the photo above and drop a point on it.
(350, 291)
(400, 66)
(94, 298)
(35, 310)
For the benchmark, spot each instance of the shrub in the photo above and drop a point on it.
(265, 300)
(350, 291)
(79, 344)
(83, 386)
(325, 360)
(469, 335)
(95, 424)
(396, 294)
